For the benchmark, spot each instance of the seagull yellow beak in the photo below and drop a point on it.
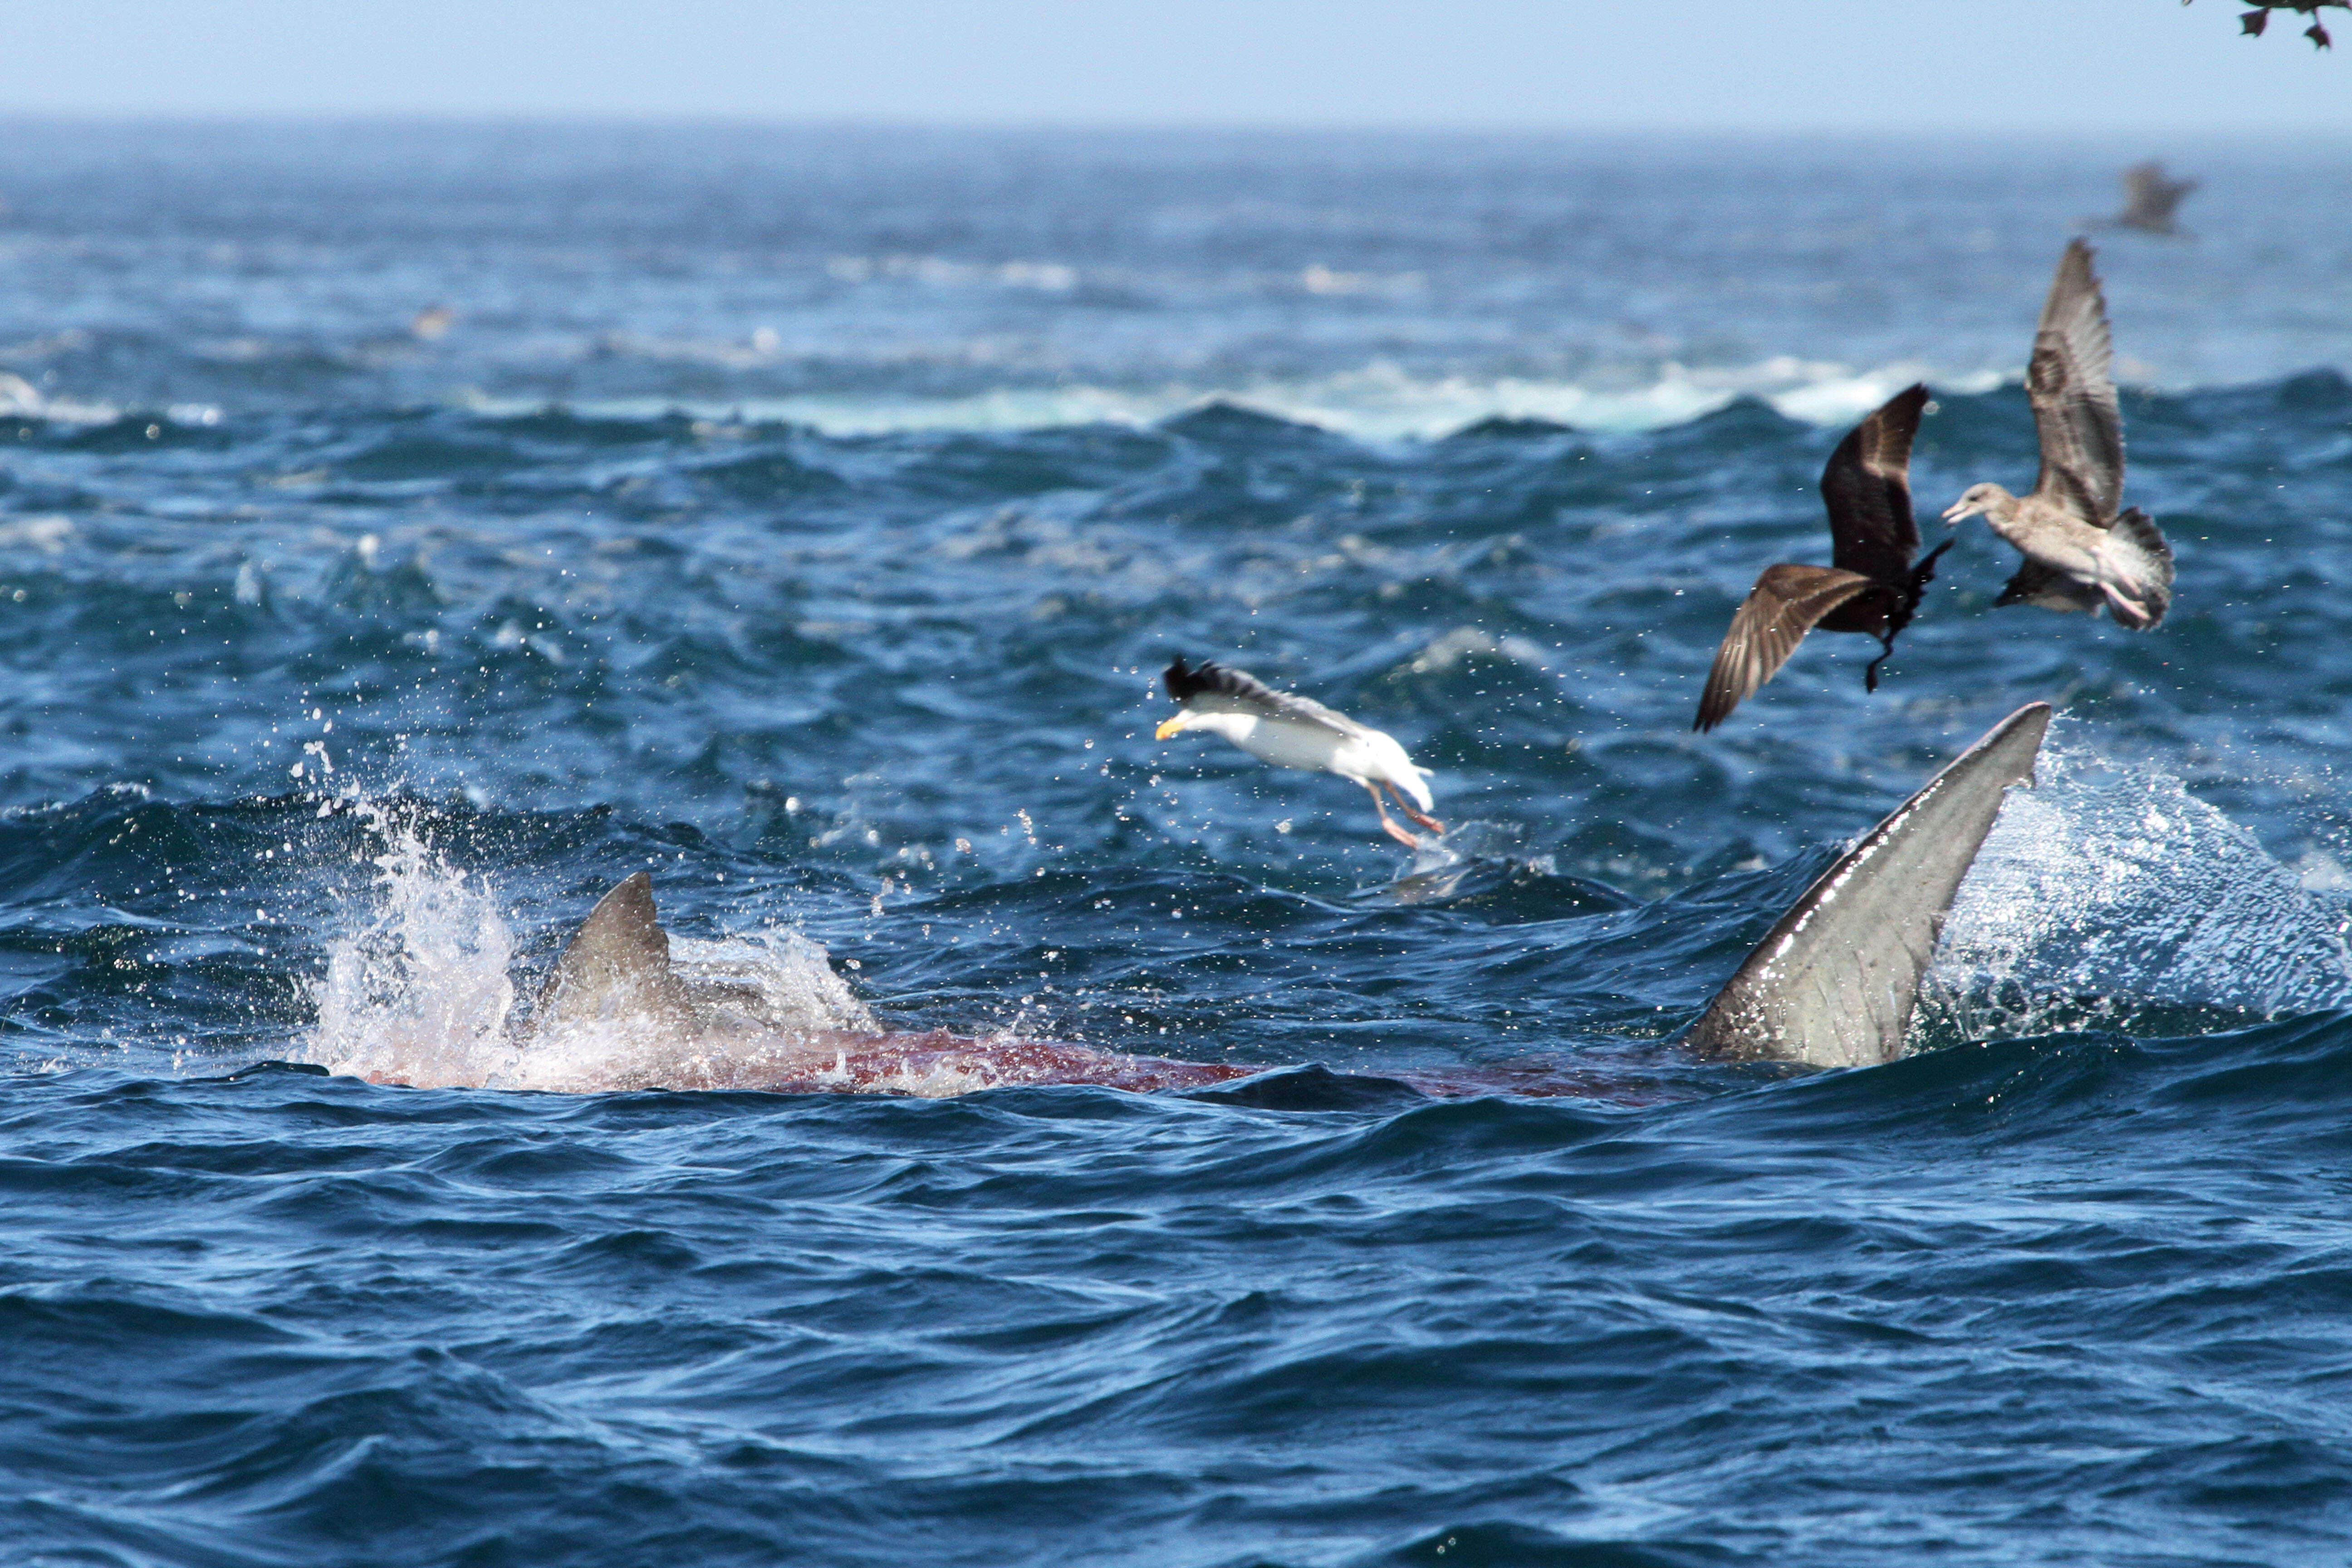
(1169, 726)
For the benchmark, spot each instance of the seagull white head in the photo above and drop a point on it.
(1179, 720)
(1232, 726)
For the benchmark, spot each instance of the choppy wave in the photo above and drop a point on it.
(1605, 284)
(1378, 402)
(407, 532)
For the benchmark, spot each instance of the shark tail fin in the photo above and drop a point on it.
(1833, 983)
(617, 967)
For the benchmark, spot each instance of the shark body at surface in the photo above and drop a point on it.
(1834, 983)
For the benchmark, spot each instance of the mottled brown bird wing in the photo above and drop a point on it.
(1867, 488)
(2072, 383)
(2049, 588)
(1786, 603)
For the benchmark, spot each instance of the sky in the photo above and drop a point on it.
(1790, 66)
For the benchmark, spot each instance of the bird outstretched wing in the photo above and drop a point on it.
(1786, 603)
(2072, 383)
(1214, 687)
(1867, 488)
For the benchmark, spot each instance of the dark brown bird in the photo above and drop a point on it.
(1873, 588)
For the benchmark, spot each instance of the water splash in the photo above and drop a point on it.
(767, 1008)
(2115, 884)
(775, 979)
(420, 995)
(1469, 856)
(419, 991)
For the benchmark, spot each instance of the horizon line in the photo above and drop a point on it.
(682, 120)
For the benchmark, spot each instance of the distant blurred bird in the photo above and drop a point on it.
(2078, 552)
(1874, 587)
(2149, 201)
(432, 321)
(1293, 731)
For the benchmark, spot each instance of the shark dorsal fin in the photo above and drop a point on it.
(1833, 981)
(616, 966)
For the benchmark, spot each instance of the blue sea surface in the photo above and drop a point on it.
(408, 532)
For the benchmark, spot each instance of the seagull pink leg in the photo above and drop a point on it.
(1406, 807)
(1401, 835)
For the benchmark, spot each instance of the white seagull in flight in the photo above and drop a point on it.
(1293, 731)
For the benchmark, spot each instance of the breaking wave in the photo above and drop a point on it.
(1376, 402)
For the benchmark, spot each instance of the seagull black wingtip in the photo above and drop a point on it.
(1184, 682)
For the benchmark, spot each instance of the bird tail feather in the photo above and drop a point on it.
(1417, 785)
(2137, 547)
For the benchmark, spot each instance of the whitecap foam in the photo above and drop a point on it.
(2115, 884)
(1462, 643)
(1379, 402)
(49, 534)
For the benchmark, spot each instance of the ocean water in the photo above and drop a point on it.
(804, 517)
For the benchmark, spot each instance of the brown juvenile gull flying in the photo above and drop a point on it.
(2149, 201)
(1293, 731)
(2078, 552)
(1874, 587)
